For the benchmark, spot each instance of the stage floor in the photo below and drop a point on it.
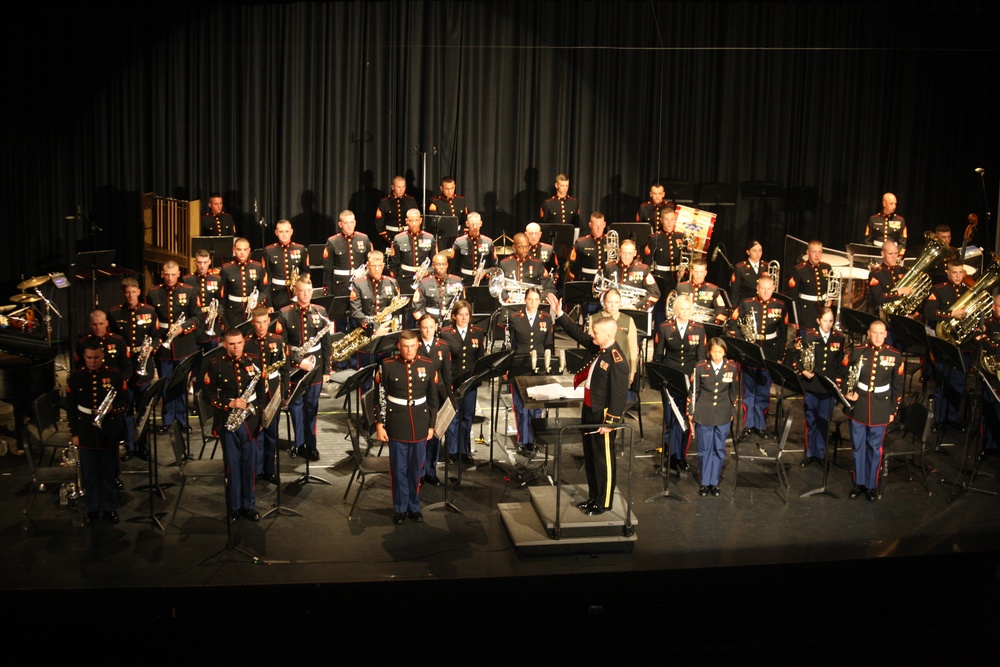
(727, 576)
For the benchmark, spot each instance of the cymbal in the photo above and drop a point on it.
(4, 309)
(25, 298)
(33, 282)
(504, 250)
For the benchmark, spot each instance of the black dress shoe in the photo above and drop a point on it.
(871, 495)
(253, 515)
(163, 429)
(186, 428)
(987, 453)
(936, 427)
(142, 454)
(453, 458)
(703, 491)
(955, 426)
(714, 490)
(468, 460)
(416, 516)
(92, 518)
(597, 511)
(586, 504)
(856, 492)
(118, 484)
(127, 456)
(679, 465)
(111, 517)
(526, 449)
(293, 452)
(748, 433)
(399, 517)
(233, 516)
(313, 455)
(271, 477)
(432, 480)
(806, 461)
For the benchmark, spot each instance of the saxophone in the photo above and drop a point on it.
(210, 317)
(170, 339)
(239, 415)
(311, 343)
(105, 408)
(143, 357)
(358, 338)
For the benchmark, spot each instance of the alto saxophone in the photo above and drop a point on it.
(170, 339)
(104, 408)
(239, 415)
(311, 343)
(143, 356)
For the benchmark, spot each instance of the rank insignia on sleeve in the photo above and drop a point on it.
(617, 356)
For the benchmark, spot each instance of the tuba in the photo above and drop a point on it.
(611, 246)
(978, 301)
(934, 251)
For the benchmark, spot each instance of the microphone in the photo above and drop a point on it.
(562, 361)
(715, 253)
(980, 171)
(548, 360)
(534, 361)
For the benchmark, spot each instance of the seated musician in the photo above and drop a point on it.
(703, 293)
(522, 268)
(633, 275)
(530, 331)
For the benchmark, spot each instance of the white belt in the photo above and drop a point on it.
(877, 243)
(273, 375)
(86, 411)
(433, 311)
(809, 297)
(278, 281)
(342, 272)
(391, 228)
(468, 272)
(590, 270)
(164, 325)
(664, 267)
(877, 390)
(773, 334)
(407, 267)
(403, 401)
(237, 299)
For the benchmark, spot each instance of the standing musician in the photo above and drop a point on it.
(448, 203)
(467, 344)
(283, 261)
(663, 254)
(887, 225)
(216, 222)
(177, 340)
(206, 285)
(372, 292)
(530, 330)
(589, 255)
(703, 293)
(605, 381)
(116, 351)
(631, 273)
(239, 279)
(989, 428)
(808, 285)
(711, 412)
(876, 399)
(345, 253)
(86, 390)
(743, 283)
(828, 348)
(439, 353)
(562, 208)
(134, 321)
(411, 248)
(300, 323)
(392, 210)
(544, 252)
(407, 407)
(882, 281)
(226, 380)
(270, 348)
(523, 268)
(950, 383)
(651, 211)
(437, 291)
(473, 251)
(679, 344)
(770, 323)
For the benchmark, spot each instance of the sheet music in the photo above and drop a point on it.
(554, 391)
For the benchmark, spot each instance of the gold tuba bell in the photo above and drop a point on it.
(977, 302)
(934, 251)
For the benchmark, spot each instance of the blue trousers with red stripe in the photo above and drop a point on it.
(756, 397)
(406, 460)
(867, 441)
(818, 409)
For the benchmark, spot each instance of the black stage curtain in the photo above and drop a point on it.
(304, 109)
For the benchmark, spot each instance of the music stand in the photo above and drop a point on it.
(145, 408)
(857, 321)
(182, 374)
(219, 247)
(678, 192)
(820, 384)
(716, 194)
(271, 412)
(667, 379)
(481, 299)
(298, 392)
(637, 231)
(907, 332)
(943, 352)
(976, 415)
(791, 385)
(99, 260)
(578, 293)
(489, 368)
(230, 545)
(745, 354)
(442, 226)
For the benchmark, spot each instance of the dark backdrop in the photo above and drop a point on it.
(307, 109)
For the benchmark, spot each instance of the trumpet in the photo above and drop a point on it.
(210, 316)
(170, 339)
(421, 272)
(479, 271)
(252, 302)
(853, 375)
(360, 272)
(104, 408)
(143, 357)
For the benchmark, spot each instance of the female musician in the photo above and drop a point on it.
(827, 349)
(711, 412)
(468, 344)
(743, 283)
(626, 337)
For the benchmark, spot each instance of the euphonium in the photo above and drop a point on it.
(142, 358)
(633, 298)
(977, 302)
(359, 337)
(934, 251)
(239, 415)
(499, 283)
(105, 407)
(774, 270)
(611, 246)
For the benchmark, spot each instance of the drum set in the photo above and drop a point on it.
(24, 315)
